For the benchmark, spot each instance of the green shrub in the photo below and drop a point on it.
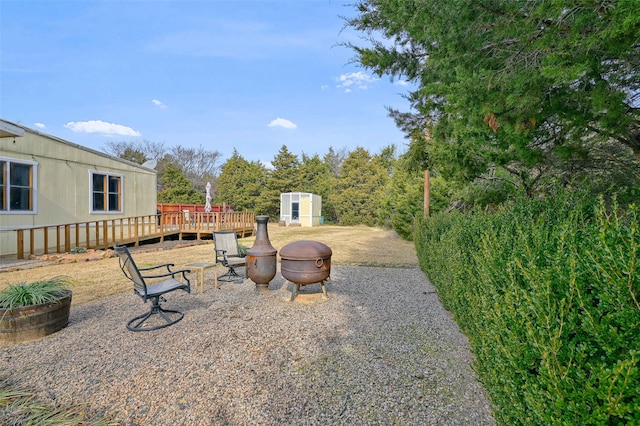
(34, 293)
(242, 250)
(548, 292)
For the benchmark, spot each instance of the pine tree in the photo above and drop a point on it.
(177, 189)
(544, 90)
(284, 177)
(240, 183)
(359, 189)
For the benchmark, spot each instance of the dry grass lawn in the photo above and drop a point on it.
(356, 245)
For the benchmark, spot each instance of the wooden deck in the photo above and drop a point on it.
(132, 230)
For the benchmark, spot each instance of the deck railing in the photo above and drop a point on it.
(212, 221)
(105, 233)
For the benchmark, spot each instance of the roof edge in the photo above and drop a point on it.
(22, 129)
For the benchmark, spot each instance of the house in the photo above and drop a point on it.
(45, 180)
(300, 208)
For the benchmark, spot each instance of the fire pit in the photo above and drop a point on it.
(305, 262)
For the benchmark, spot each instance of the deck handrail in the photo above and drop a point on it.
(108, 232)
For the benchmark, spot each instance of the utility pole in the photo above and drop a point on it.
(427, 189)
(426, 192)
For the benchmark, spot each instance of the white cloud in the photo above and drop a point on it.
(281, 122)
(158, 103)
(402, 83)
(359, 80)
(267, 164)
(99, 126)
(40, 125)
(324, 87)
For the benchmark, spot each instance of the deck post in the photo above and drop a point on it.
(20, 244)
(46, 240)
(58, 239)
(135, 231)
(32, 246)
(67, 238)
(105, 234)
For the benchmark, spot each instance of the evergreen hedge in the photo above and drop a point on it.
(548, 292)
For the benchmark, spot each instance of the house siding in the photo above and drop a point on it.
(63, 183)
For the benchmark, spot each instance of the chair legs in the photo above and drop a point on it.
(137, 323)
(230, 275)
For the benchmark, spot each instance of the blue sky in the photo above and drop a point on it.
(249, 75)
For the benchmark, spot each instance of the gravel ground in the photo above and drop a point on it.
(381, 350)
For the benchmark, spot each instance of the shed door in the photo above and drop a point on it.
(295, 211)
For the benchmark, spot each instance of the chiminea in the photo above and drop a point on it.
(261, 258)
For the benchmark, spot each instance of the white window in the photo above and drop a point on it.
(18, 187)
(106, 193)
(295, 211)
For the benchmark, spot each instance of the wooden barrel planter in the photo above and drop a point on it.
(28, 323)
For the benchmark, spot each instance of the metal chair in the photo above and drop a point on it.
(228, 254)
(153, 291)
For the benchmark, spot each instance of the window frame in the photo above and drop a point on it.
(295, 211)
(5, 200)
(106, 193)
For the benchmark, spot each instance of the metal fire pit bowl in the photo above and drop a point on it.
(306, 262)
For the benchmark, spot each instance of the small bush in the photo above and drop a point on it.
(242, 250)
(34, 293)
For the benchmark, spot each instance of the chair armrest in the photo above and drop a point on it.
(171, 274)
(150, 268)
(222, 253)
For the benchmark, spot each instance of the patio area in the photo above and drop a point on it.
(380, 350)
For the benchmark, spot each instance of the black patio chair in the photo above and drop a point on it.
(228, 254)
(153, 291)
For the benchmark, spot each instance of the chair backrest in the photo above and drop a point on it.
(227, 241)
(131, 271)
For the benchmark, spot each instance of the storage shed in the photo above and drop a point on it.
(300, 208)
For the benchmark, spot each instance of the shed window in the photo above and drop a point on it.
(106, 193)
(17, 186)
